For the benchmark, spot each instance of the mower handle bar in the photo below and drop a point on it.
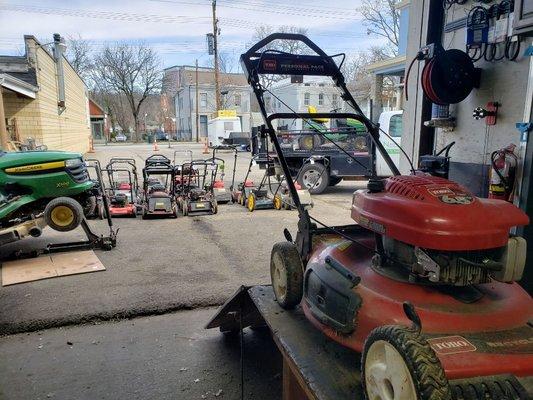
(284, 36)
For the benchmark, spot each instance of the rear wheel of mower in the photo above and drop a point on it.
(250, 202)
(287, 274)
(63, 214)
(314, 177)
(185, 208)
(278, 202)
(398, 363)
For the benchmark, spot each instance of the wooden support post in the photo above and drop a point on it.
(4, 136)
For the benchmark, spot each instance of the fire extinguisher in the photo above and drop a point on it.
(502, 173)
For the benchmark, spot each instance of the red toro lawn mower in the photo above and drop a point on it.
(123, 193)
(159, 188)
(423, 286)
(223, 194)
(195, 194)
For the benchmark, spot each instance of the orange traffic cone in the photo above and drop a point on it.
(155, 144)
(206, 149)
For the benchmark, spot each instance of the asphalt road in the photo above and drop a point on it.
(160, 357)
(100, 335)
(162, 265)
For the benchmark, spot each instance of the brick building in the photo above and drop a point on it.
(43, 98)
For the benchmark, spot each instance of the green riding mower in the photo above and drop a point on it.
(40, 188)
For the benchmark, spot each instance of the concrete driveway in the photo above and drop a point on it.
(163, 265)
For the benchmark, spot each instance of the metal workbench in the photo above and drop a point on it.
(314, 367)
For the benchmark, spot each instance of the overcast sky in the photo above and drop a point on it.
(177, 28)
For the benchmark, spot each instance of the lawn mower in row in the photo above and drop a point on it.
(47, 188)
(123, 191)
(158, 198)
(95, 207)
(423, 286)
(223, 194)
(195, 195)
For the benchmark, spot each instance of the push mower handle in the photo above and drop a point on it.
(285, 36)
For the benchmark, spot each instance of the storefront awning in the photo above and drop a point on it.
(18, 86)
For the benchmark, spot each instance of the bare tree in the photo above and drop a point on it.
(358, 77)
(382, 19)
(288, 46)
(79, 55)
(132, 71)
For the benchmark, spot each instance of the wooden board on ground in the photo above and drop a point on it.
(50, 266)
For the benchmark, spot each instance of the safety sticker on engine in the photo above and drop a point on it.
(451, 345)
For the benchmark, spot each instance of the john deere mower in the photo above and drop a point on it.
(39, 188)
(423, 286)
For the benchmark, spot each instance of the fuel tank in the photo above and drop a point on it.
(435, 213)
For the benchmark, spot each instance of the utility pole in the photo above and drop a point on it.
(215, 50)
(197, 115)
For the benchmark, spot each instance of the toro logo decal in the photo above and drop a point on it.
(451, 345)
(269, 65)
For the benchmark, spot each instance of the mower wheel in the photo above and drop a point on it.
(398, 363)
(185, 208)
(287, 274)
(250, 202)
(214, 207)
(314, 177)
(278, 202)
(63, 214)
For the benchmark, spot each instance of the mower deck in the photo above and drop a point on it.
(315, 367)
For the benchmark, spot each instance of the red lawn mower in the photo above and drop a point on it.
(123, 192)
(423, 286)
(159, 188)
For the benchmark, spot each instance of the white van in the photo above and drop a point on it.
(391, 123)
(224, 131)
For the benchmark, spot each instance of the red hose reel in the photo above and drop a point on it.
(448, 76)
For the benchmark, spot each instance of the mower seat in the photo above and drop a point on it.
(124, 186)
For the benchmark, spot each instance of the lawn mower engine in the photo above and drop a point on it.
(424, 240)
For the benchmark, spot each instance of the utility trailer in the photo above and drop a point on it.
(321, 161)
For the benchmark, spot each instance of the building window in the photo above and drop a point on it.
(203, 100)
(267, 103)
(307, 99)
(237, 100)
(321, 99)
(335, 100)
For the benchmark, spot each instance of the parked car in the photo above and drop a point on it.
(161, 136)
(120, 137)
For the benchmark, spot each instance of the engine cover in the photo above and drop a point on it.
(435, 213)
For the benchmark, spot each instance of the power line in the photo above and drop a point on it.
(302, 12)
(117, 16)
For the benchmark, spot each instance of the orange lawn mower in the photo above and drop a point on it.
(424, 284)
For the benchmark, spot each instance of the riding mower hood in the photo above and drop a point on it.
(39, 188)
(423, 286)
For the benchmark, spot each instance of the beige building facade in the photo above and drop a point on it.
(44, 99)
